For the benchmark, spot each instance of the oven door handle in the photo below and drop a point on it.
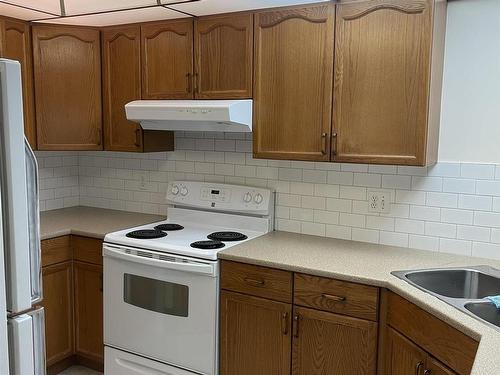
(199, 268)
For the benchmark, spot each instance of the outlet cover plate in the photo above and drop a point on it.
(379, 201)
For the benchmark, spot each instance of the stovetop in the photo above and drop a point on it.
(197, 226)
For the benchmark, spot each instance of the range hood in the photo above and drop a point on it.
(192, 115)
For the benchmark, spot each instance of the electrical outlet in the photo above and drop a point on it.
(142, 182)
(379, 201)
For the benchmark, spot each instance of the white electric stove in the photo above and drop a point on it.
(161, 280)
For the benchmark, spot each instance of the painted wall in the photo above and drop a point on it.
(470, 118)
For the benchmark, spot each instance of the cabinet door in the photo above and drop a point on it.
(293, 83)
(167, 58)
(17, 46)
(121, 71)
(67, 88)
(89, 341)
(326, 343)
(58, 303)
(402, 356)
(224, 57)
(255, 335)
(382, 70)
(434, 367)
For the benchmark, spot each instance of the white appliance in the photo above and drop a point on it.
(192, 115)
(161, 292)
(22, 342)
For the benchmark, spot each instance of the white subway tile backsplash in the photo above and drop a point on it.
(435, 208)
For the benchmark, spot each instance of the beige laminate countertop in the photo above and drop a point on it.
(372, 264)
(89, 221)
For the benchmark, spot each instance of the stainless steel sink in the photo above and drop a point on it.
(463, 288)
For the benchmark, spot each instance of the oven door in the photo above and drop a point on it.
(161, 306)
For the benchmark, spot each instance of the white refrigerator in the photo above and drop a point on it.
(22, 341)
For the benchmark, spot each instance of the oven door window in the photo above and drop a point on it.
(156, 295)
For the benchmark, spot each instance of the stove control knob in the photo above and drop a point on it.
(258, 198)
(247, 198)
(174, 190)
(184, 191)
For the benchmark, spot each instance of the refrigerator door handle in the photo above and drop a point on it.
(35, 253)
(27, 343)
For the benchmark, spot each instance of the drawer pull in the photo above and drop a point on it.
(254, 282)
(284, 323)
(331, 297)
(418, 367)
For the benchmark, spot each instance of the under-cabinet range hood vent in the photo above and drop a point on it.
(192, 115)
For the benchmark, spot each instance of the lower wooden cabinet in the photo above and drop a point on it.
(326, 343)
(89, 311)
(404, 357)
(73, 300)
(58, 304)
(255, 335)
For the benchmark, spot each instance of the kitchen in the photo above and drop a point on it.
(264, 187)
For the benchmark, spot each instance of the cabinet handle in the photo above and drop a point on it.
(428, 372)
(189, 82)
(196, 83)
(334, 144)
(332, 297)
(418, 367)
(254, 282)
(284, 323)
(137, 138)
(99, 137)
(296, 319)
(324, 140)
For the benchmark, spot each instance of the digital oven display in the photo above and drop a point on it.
(215, 192)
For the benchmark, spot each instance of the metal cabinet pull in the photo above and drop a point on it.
(334, 144)
(284, 323)
(296, 319)
(137, 138)
(99, 137)
(196, 83)
(332, 297)
(324, 137)
(189, 82)
(428, 372)
(418, 367)
(254, 282)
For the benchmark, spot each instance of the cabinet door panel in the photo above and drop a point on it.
(121, 70)
(67, 88)
(167, 58)
(58, 304)
(17, 46)
(89, 341)
(326, 343)
(255, 336)
(224, 56)
(382, 70)
(402, 356)
(293, 83)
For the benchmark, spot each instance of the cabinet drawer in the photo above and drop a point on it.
(257, 281)
(336, 296)
(86, 249)
(56, 250)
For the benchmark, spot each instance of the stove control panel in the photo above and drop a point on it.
(220, 197)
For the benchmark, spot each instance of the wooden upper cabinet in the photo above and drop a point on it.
(167, 58)
(67, 69)
(121, 72)
(224, 56)
(16, 37)
(293, 82)
(387, 84)
(255, 335)
(326, 343)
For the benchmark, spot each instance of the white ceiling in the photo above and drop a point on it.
(115, 12)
